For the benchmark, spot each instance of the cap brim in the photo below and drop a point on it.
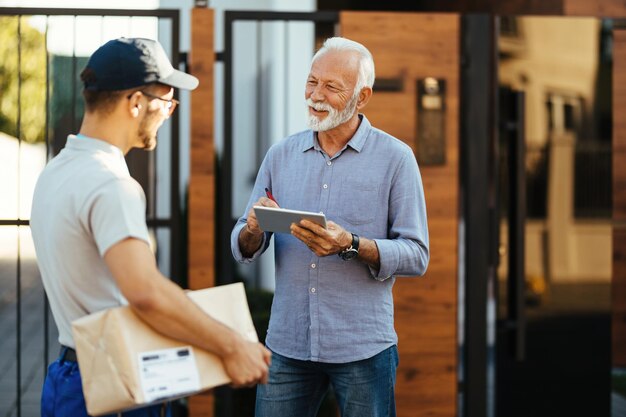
(179, 79)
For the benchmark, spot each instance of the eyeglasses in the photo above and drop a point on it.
(170, 105)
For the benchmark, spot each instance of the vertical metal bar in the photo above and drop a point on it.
(19, 260)
(73, 122)
(153, 190)
(46, 318)
(152, 181)
(477, 129)
(223, 260)
(260, 133)
(286, 80)
(259, 138)
(176, 269)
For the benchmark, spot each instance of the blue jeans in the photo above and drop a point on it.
(363, 388)
(62, 395)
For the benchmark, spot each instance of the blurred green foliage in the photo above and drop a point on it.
(260, 303)
(619, 383)
(32, 99)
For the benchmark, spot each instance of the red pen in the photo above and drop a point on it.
(269, 195)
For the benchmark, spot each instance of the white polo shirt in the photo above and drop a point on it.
(85, 201)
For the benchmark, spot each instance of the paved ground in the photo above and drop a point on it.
(32, 339)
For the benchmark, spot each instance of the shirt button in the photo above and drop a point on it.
(325, 185)
(313, 290)
(313, 266)
(329, 163)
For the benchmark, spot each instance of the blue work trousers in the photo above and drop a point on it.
(62, 395)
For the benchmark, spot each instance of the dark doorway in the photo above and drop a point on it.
(553, 297)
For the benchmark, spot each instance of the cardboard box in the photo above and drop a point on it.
(125, 364)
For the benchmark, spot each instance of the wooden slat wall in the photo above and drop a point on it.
(619, 199)
(202, 176)
(414, 46)
(599, 8)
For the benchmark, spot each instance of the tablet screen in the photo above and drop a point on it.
(279, 220)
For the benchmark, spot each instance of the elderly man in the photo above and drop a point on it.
(89, 229)
(332, 317)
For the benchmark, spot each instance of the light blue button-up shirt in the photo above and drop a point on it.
(326, 309)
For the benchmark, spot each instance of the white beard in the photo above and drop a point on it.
(334, 117)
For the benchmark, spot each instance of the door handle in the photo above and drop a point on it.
(516, 282)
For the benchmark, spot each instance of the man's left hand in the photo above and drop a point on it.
(322, 242)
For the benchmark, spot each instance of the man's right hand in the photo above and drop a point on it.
(252, 223)
(247, 364)
(251, 235)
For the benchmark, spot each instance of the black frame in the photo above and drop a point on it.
(477, 176)
(175, 223)
(224, 261)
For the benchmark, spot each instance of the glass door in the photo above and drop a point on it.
(554, 276)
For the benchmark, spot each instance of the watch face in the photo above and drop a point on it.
(349, 254)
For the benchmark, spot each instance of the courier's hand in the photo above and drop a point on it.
(322, 242)
(252, 224)
(248, 364)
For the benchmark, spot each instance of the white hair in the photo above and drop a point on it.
(366, 62)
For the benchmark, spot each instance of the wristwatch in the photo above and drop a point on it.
(353, 251)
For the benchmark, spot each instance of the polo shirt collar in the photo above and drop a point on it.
(85, 143)
(357, 142)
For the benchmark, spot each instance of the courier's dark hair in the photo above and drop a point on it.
(101, 101)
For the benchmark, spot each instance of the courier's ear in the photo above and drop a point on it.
(364, 97)
(134, 104)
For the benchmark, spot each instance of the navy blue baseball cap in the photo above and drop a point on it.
(126, 63)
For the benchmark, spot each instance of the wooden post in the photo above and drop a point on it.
(202, 177)
(410, 47)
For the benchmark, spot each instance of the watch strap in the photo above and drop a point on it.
(355, 242)
(351, 252)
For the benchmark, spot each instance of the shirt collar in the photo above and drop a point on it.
(356, 142)
(84, 143)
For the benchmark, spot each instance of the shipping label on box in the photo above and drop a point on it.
(168, 373)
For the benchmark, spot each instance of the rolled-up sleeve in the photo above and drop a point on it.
(234, 243)
(406, 250)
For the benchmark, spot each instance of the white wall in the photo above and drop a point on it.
(20, 165)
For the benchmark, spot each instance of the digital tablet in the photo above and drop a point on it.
(279, 220)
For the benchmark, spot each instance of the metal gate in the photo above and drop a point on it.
(254, 29)
(42, 51)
